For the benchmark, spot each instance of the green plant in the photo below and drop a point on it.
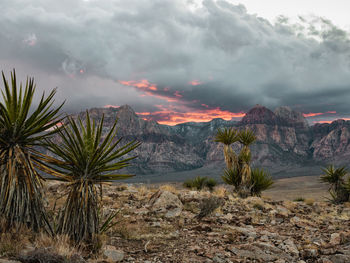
(232, 177)
(239, 172)
(335, 178)
(86, 158)
(211, 183)
(208, 205)
(228, 136)
(299, 199)
(260, 181)
(22, 129)
(199, 183)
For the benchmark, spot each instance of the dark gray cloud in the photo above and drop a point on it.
(87, 47)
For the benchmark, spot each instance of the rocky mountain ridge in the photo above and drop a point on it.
(284, 140)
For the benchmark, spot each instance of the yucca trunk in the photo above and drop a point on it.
(79, 217)
(230, 156)
(21, 197)
(246, 172)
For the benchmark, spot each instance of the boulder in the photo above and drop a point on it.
(113, 255)
(166, 203)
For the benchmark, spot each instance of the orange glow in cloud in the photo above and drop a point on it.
(177, 94)
(195, 83)
(330, 121)
(173, 117)
(323, 121)
(150, 89)
(312, 114)
(111, 106)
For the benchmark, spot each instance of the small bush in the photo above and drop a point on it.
(261, 181)
(232, 177)
(299, 199)
(208, 205)
(338, 188)
(211, 183)
(199, 183)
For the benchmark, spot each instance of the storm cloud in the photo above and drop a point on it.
(176, 56)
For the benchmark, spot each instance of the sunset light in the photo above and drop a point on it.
(173, 117)
(311, 114)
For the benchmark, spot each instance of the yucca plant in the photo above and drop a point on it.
(211, 183)
(228, 136)
(246, 138)
(22, 129)
(232, 177)
(198, 183)
(335, 178)
(260, 181)
(86, 158)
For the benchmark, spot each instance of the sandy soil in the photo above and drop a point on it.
(308, 187)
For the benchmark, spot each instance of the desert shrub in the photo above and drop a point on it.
(199, 183)
(13, 239)
(260, 181)
(232, 177)
(86, 160)
(338, 188)
(208, 205)
(42, 255)
(299, 199)
(24, 127)
(211, 183)
(238, 172)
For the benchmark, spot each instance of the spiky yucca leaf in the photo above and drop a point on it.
(22, 128)
(246, 137)
(337, 186)
(226, 136)
(86, 158)
(232, 177)
(333, 176)
(260, 181)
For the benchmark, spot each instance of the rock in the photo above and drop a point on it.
(260, 251)
(340, 258)
(113, 255)
(217, 259)
(282, 211)
(246, 231)
(167, 203)
(310, 253)
(335, 239)
(289, 247)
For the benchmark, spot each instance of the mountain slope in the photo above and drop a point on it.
(284, 140)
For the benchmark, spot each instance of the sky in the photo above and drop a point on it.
(175, 61)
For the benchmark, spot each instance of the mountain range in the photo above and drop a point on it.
(286, 144)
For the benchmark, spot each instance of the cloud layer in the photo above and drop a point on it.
(168, 58)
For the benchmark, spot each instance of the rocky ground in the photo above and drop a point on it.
(171, 224)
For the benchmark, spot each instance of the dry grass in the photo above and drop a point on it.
(60, 245)
(130, 231)
(309, 201)
(220, 191)
(143, 190)
(13, 240)
(169, 188)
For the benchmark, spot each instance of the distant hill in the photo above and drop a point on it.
(286, 144)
